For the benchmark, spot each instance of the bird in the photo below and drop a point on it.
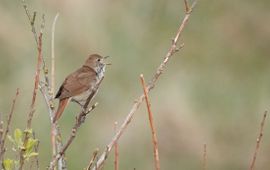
(78, 85)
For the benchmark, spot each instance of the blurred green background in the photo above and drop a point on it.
(213, 91)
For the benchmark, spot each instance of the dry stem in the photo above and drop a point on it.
(5, 133)
(116, 153)
(152, 126)
(94, 155)
(37, 77)
(204, 157)
(259, 139)
(53, 56)
(173, 49)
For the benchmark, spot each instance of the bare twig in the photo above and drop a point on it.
(116, 153)
(1, 131)
(37, 77)
(173, 49)
(259, 139)
(53, 56)
(152, 126)
(94, 156)
(5, 133)
(204, 157)
(31, 20)
(79, 120)
(186, 6)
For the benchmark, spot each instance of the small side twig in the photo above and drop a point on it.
(186, 6)
(152, 126)
(5, 133)
(91, 162)
(204, 157)
(116, 153)
(31, 20)
(172, 50)
(259, 139)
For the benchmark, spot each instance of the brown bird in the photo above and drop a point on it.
(80, 84)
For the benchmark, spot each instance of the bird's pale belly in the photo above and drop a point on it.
(81, 98)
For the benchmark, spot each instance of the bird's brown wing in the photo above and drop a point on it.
(76, 83)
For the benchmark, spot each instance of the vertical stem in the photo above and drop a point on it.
(116, 153)
(204, 157)
(152, 126)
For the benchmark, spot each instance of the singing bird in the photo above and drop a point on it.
(81, 83)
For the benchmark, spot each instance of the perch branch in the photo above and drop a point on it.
(79, 120)
(259, 139)
(173, 49)
(152, 126)
(5, 133)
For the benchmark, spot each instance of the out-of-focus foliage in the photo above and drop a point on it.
(214, 91)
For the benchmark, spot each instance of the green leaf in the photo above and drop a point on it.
(8, 164)
(30, 145)
(18, 137)
(33, 154)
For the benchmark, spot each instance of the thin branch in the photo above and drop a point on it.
(79, 120)
(173, 49)
(116, 153)
(53, 56)
(204, 157)
(1, 131)
(152, 126)
(5, 133)
(37, 77)
(259, 139)
(94, 156)
(31, 20)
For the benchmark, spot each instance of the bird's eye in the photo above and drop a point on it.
(98, 59)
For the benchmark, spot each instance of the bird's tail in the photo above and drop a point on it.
(61, 107)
